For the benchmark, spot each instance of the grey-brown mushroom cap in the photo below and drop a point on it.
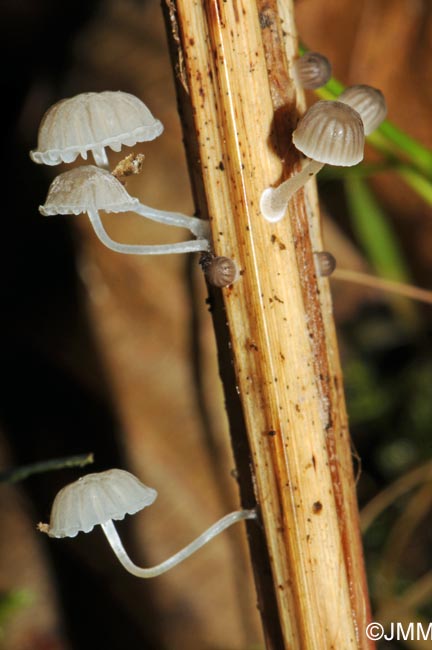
(86, 187)
(90, 122)
(312, 70)
(332, 133)
(369, 103)
(95, 499)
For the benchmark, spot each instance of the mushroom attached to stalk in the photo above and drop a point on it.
(329, 133)
(312, 70)
(90, 189)
(102, 497)
(91, 122)
(369, 103)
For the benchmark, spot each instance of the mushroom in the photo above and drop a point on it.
(312, 70)
(220, 271)
(329, 133)
(90, 189)
(91, 122)
(100, 498)
(325, 263)
(369, 103)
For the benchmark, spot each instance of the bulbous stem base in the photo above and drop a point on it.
(274, 200)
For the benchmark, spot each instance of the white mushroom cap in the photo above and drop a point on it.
(84, 188)
(96, 499)
(331, 133)
(369, 103)
(90, 122)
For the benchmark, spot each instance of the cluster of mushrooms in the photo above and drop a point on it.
(90, 122)
(330, 132)
(73, 127)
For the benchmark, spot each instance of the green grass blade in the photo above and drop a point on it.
(373, 231)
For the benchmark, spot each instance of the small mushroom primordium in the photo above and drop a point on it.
(90, 189)
(102, 497)
(219, 271)
(90, 122)
(329, 133)
(326, 263)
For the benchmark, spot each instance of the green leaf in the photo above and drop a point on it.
(373, 231)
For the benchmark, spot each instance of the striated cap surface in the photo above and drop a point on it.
(313, 70)
(369, 103)
(95, 499)
(331, 133)
(91, 121)
(84, 188)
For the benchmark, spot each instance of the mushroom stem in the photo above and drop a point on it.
(132, 249)
(100, 157)
(118, 548)
(197, 227)
(274, 200)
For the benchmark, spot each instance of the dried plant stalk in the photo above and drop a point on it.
(239, 105)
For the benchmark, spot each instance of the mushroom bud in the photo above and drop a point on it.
(219, 271)
(325, 262)
(369, 103)
(329, 133)
(100, 498)
(91, 122)
(90, 189)
(312, 70)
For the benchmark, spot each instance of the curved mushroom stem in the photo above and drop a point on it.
(100, 157)
(274, 200)
(132, 249)
(118, 548)
(197, 227)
